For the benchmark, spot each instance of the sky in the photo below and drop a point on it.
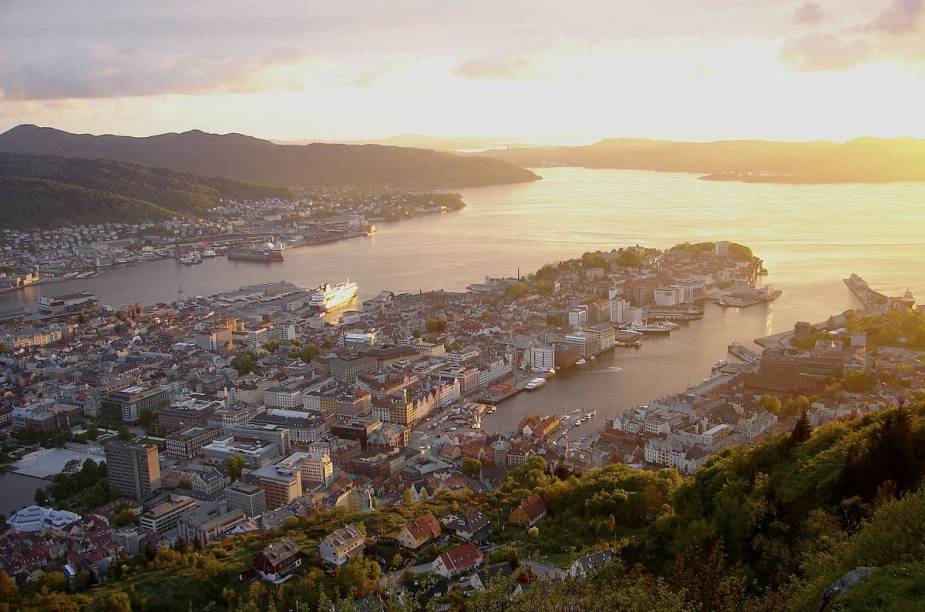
(534, 71)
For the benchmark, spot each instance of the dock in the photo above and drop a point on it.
(740, 352)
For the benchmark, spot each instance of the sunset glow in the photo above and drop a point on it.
(534, 72)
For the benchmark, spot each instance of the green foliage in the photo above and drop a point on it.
(123, 516)
(629, 258)
(234, 466)
(433, 326)
(40, 191)
(306, 353)
(245, 363)
(904, 328)
(46, 438)
(471, 467)
(770, 403)
(593, 260)
(516, 290)
(270, 346)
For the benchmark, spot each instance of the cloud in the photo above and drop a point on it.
(893, 34)
(902, 17)
(371, 77)
(809, 14)
(825, 51)
(102, 72)
(504, 66)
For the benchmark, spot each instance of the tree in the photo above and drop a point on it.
(516, 290)
(118, 601)
(124, 434)
(270, 346)
(770, 403)
(8, 590)
(434, 325)
(629, 259)
(147, 419)
(245, 363)
(471, 467)
(235, 465)
(801, 432)
(41, 497)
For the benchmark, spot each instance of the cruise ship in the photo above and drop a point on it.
(329, 296)
(535, 383)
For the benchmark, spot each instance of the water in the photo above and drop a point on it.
(18, 490)
(810, 236)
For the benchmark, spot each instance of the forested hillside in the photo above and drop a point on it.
(48, 191)
(768, 527)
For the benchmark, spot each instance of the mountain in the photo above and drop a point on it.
(863, 160)
(254, 160)
(421, 141)
(48, 191)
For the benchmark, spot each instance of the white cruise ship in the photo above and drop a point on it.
(329, 296)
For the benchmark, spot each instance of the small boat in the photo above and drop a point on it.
(576, 410)
(581, 362)
(535, 383)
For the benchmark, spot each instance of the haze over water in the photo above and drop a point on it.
(810, 236)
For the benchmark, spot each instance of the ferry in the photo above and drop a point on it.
(329, 296)
(535, 383)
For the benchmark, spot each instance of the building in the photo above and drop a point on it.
(268, 432)
(542, 358)
(204, 525)
(246, 497)
(315, 465)
(278, 561)
(71, 302)
(165, 516)
(342, 545)
(133, 469)
(189, 413)
(578, 316)
(346, 369)
(529, 511)
(418, 532)
(127, 403)
(256, 453)
(458, 560)
(46, 414)
(280, 484)
(186, 444)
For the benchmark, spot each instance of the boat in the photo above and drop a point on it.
(581, 362)
(535, 383)
(328, 296)
(576, 410)
(209, 253)
(269, 252)
(190, 259)
(659, 327)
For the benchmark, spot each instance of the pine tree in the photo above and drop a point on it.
(801, 432)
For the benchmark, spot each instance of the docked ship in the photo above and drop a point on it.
(660, 327)
(269, 252)
(329, 296)
(535, 383)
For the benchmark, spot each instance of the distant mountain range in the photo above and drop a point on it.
(863, 160)
(49, 191)
(254, 160)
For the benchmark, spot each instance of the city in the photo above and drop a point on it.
(216, 417)
(480, 306)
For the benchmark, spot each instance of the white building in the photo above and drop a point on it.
(342, 545)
